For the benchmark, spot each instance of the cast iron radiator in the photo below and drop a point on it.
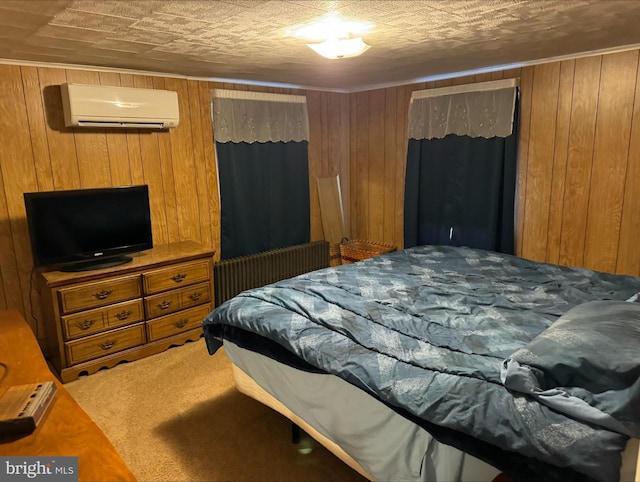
(232, 276)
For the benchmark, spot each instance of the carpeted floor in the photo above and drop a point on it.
(176, 416)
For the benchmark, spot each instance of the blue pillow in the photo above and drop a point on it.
(586, 365)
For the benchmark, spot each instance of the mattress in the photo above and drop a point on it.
(350, 422)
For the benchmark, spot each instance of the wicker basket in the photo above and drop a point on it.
(357, 250)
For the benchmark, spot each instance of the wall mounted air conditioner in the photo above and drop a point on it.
(103, 106)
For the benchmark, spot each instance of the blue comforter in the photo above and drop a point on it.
(427, 329)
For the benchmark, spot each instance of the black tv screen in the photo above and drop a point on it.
(88, 228)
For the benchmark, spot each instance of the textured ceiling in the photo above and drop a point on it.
(250, 39)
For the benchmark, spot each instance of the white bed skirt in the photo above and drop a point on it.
(359, 429)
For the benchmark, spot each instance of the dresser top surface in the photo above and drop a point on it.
(155, 257)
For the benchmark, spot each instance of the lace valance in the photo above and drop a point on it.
(240, 116)
(485, 109)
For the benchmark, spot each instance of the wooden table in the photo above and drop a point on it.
(66, 430)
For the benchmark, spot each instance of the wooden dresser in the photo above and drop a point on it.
(96, 319)
(66, 429)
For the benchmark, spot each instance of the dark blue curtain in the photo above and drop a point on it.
(264, 196)
(460, 191)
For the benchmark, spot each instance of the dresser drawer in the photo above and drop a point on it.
(195, 295)
(94, 321)
(100, 293)
(83, 323)
(96, 346)
(178, 322)
(177, 275)
(124, 313)
(172, 301)
(162, 304)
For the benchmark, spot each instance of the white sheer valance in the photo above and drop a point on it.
(485, 109)
(240, 116)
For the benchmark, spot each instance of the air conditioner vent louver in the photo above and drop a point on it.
(118, 107)
(131, 125)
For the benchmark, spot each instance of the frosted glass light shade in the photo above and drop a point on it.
(340, 48)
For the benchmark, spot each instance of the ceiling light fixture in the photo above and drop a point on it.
(340, 48)
(337, 38)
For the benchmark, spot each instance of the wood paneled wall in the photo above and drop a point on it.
(581, 189)
(579, 161)
(578, 174)
(37, 153)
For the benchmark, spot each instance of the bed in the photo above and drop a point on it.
(448, 363)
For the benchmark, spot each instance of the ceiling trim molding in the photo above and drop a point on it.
(496, 68)
(93, 68)
(431, 78)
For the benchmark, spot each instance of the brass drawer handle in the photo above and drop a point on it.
(107, 344)
(86, 324)
(101, 295)
(182, 322)
(123, 315)
(164, 305)
(195, 296)
(179, 277)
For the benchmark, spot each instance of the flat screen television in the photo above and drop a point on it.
(84, 229)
